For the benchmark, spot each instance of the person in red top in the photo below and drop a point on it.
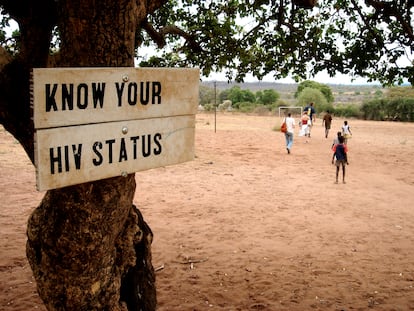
(340, 151)
(304, 124)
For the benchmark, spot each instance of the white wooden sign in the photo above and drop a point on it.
(73, 96)
(95, 123)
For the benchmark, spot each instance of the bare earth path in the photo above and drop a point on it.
(245, 226)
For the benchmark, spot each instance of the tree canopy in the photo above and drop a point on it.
(309, 95)
(237, 95)
(267, 97)
(371, 39)
(325, 89)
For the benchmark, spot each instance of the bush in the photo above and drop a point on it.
(246, 107)
(261, 110)
(322, 108)
(373, 109)
(400, 109)
(406, 107)
(347, 111)
(208, 107)
(395, 109)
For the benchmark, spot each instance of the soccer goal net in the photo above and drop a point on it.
(295, 111)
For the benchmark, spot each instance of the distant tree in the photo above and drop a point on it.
(223, 95)
(267, 97)
(325, 89)
(308, 95)
(400, 92)
(248, 96)
(237, 95)
(206, 95)
(378, 93)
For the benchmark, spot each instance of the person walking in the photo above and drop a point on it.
(290, 125)
(304, 125)
(340, 153)
(346, 132)
(336, 139)
(327, 120)
(310, 110)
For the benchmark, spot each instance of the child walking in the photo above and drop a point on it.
(336, 139)
(304, 125)
(346, 132)
(340, 154)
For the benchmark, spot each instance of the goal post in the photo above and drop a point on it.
(292, 109)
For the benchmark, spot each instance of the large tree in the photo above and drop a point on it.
(370, 38)
(88, 245)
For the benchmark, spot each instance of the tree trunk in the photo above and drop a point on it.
(85, 242)
(88, 245)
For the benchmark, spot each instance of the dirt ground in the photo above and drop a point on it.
(246, 226)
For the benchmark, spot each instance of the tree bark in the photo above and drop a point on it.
(87, 242)
(36, 21)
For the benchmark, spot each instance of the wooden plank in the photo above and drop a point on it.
(77, 154)
(75, 96)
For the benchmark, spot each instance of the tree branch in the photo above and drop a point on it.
(388, 9)
(366, 22)
(306, 4)
(35, 24)
(159, 36)
(156, 36)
